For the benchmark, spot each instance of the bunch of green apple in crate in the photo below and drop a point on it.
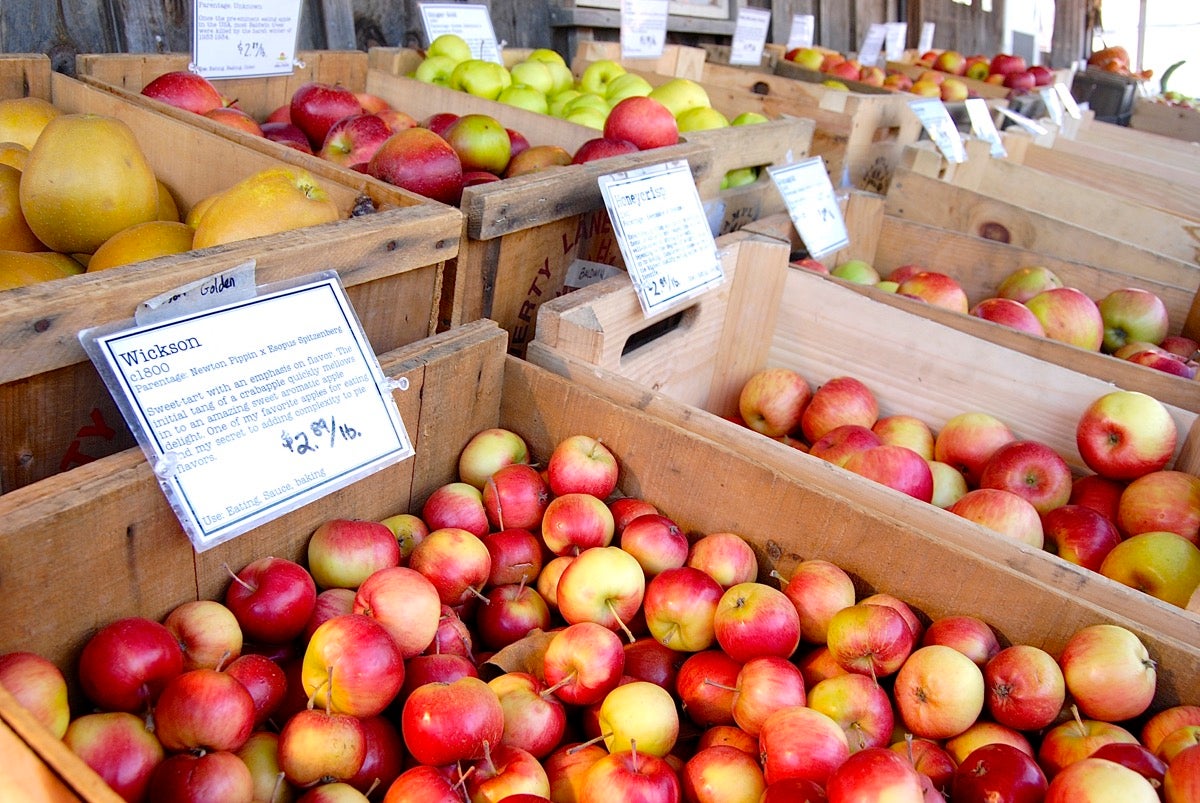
(531, 635)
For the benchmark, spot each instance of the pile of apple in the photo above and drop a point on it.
(1129, 323)
(532, 636)
(1002, 69)
(78, 193)
(1133, 520)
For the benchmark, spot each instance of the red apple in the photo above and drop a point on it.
(723, 774)
(488, 451)
(1010, 313)
(1161, 501)
(1079, 535)
(447, 722)
(515, 496)
(897, 467)
(185, 90)
(1132, 314)
(754, 619)
(859, 705)
(970, 635)
(602, 148)
(656, 542)
(330, 603)
(236, 119)
(120, 747)
(582, 464)
(534, 719)
(316, 746)
(937, 289)
(203, 709)
(1108, 672)
(629, 775)
(841, 400)
(39, 687)
(405, 602)
(439, 122)
(1025, 687)
(419, 160)
(1181, 782)
(575, 522)
(508, 613)
(1136, 757)
(1075, 740)
(125, 664)
(764, 685)
(928, 758)
(705, 685)
(647, 659)
(1003, 512)
(679, 606)
(604, 585)
(967, 440)
(1069, 316)
(998, 773)
(567, 766)
(818, 589)
(798, 742)
(1161, 360)
(1099, 493)
(818, 664)
(840, 443)
(264, 680)
(906, 430)
(1164, 722)
(453, 635)
(288, 134)
(1004, 64)
(316, 106)
(516, 556)
(272, 599)
(872, 775)
(1032, 470)
(725, 557)
(627, 508)
(1099, 779)
(939, 692)
(1020, 81)
(872, 640)
(506, 773)
(583, 662)
(1125, 434)
(772, 401)
(344, 552)
(643, 121)
(728, 736)
(353, 139)
(190, 778)
(352, 665)
(456, 504)
(455, 561)
(423, 784)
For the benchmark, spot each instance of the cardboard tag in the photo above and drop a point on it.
(249, 410)
(801, 34)
(868, 54)
(238, 40)
(894, 38)
(925, 43)
(940, 126)
(470, 21)
(643, 28)
(663, 233)
(584, 272)
(983, 126)
(749, 36)
(812, 205)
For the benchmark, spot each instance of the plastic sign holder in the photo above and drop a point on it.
(1053, 104)
(925, 43)
(895, 35)
(249, 409)
(663, 233)
(749, 36)
(1031, 126)
(239, 40)
(940, 126)
(984, 127)
(801, 34)
(471, 21)
(868, 54)
(812, 205)
(1069, 104)
(643, 28)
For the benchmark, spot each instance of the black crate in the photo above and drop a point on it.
(1109, 95)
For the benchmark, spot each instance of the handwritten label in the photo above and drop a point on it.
(983, 126)
(749, 36)
(231, 285)
(925, 43)
(868, 54)
(940, 126)
(801, 34)
(1070, 106)
(812, 205)
(583, 272)
(237, 40)
(470, 21)
(1053, 104)
(249, 410)
(663, 233)
(894, 39)
(643, 28)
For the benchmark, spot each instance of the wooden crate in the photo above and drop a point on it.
(705, 485)
(887, 242)
(1176, 122)
(978, 88)
(916, 196)
(698, 358)
(1140, 144)
(55, 412)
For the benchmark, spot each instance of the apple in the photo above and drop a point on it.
(968, 634)
(701, 118)
(405, 602)
(330, 603)
(705, 685)
(333, 792)
(872, 640)
(190, 778)
(939, 692)
(481, 142)
(481, 78)
(516, 556)
(872, 76)
(644, 121)
(954, 90)
(726, 557)
(859, 705)
(1004, 64)
(1026, 282)
(799, 742)
(772, 401)
(423, 784)
(1025, 687)
(1181, 782)
(998, 773)
(547, 579)
(1137, 758)
(455, 561)
(875, 774)
(1075, 740)
(1020, 81)
(1161, 500)
(1162, 564)
(840, 443)
(1163, 723)
(515, 496)
(352, 665)
(488, 451)
(1125, 434)
(203, 709)
(125, 664)
(1108, 672)
(316, 746)
(509, 613)
(453, 636)
(419, 160)
(582, 464)
(447, 722)
(950, 61)
(534, 719)
(807, 57)
(1003, 512)
(848, 69)
(272, 599)
(456, 505)
(596, 76)
(1079, 535)
(841, 400)
(949, 484)
(679, 606)
(583, 662)
(897, 467)
(601, 148)
(728, 736)
(575, 522)
(316, 106)
(1160, 360)
(185, 90)
(567, 765)
(764, 685)
(817, 664)
(680, 94)
(39, 687)
(1069, 316)
(344, 552)
(898, 82)
(353, 139)
(984, 731)
(1099, 493)
(1177, 741)
(1131, 313)
(926, 87)
(288, 134)
(629, 775)
(928, 758)
(120, 747)
(722, 774)
(656, 542)
(604, 585)
(1099, 780)
(1010, 313)
(1181, 346)
(537, 158)
(409, 531)
(906, 430)
(977, 67)
(856, 271)
(1032, 470)
(647, 659)
(639, 715)
(234, 118)
(818, 589)
(754, 619)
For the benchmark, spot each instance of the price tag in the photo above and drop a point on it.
(749, 36)
(643, 28)
(801, 34)
(663, 233)
(940, 127)
(925, 43)
(472, 22)
(983, 126)
(811, 205)
(236, 40)
(1053, 104)
(1032, 126)
(894, 39)
(1070, 106)
(868, 54)
(251, 409)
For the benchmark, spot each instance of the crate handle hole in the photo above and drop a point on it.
(654, 332)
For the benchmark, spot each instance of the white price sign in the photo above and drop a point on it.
(925, 43)
(1032, 126)
(251, 409)
(472, 22)
(894, 39)
(801, 34)
(1053, 104)
(749, 36)
(868, 54)
(940, 126)
(1070, 106)
(643, 28)
(812, 205)
(983, 126)
(236, 40)
(663, 233)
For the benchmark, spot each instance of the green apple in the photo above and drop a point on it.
(484, 79)
(857, 271)
(680, 94)
(749, 118)
(435, 70)
(559, 100)
(587, 116)
(888, 286)
(524, 97)
(597, 75)
(626, 86)
(546, 55)
(739, 177)
(450, 45)
(533, 73)
(586, 100)
(701, 118)
(563, 77)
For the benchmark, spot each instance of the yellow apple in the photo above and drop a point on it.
(22, 119)
(749, 118)
(701, 118)
(450, 45)
(15, 234)
(483, 79)
(270, 201)
(680, 94)
(140, 242)
(1162, 564)
(535, 74)
(626, 86)
(597, 76)
(13, 154)
(18, 268)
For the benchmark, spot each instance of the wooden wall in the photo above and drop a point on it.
(64, 28)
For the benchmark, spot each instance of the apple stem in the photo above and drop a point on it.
(1078, 719)
(278, 787)
(633, 753)
(499, 505)
(908, 743)
(775, 573)
(487, 756)
(565, 681)
(239, 580)
(479, 594)
(372, 787)
(720, 685)
(221, 663)
(628, 633)
(594, 740)
(461, 783)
